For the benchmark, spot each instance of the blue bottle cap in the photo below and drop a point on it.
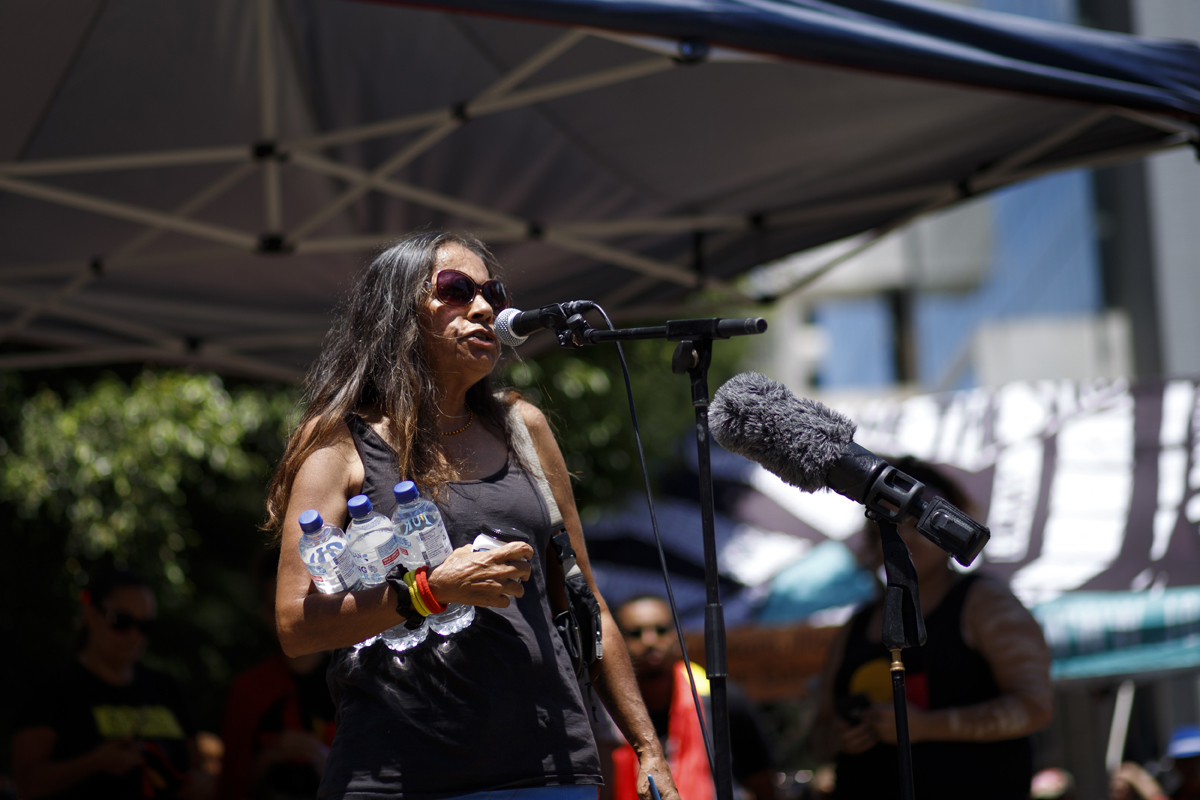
(311, 522)
(359, 506)
(406, 492)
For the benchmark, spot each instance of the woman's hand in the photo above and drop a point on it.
(657, 766)
(486, 578)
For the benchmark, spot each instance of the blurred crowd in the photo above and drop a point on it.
(103, 725)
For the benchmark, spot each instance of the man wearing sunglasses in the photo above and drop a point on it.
(649, 631)
(102, 725)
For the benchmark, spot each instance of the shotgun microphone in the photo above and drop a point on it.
(812, 447)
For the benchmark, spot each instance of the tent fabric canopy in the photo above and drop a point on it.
(902, 37)
(196, 182)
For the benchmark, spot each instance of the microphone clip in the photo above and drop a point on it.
(572, 326)
(903, 623)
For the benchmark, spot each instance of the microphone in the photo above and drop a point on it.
(513, 327)
(812, 447)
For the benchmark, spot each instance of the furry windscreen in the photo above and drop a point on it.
(796, 438)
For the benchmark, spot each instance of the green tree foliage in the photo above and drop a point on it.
(582, 393)
(113, 465)
(163, 473)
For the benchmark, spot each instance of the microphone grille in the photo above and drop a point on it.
(503, 328)
(796, 438)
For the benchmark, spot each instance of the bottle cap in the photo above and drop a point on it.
(406, 492)
(359, 506)
(311, 522)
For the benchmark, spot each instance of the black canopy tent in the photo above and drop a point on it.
(194, 182)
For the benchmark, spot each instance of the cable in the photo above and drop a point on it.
(662, 555)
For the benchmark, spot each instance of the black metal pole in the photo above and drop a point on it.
(693, 355)
(903, 748)
(903, 626)
(715, 662)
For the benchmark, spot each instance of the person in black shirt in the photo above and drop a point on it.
(102, 725)
(975, 691)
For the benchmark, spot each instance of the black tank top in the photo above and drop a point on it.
(494, 706)
(944, 673)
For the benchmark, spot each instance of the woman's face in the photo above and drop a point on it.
(459, 340)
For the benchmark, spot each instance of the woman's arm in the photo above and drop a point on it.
(309, 621)
(996, 625)
(613, 675)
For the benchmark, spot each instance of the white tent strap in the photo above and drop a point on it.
(101, 321)
(496, 97)
(230, 364)
(510, 225)
(70, 267)
(479, 107)
(79, 350)
(1039, 148)
(523, 444)
(120, 161)
(92, 269)
(131, 213)
(358, 188)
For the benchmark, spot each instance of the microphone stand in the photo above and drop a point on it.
(693, 355)
(903, 626)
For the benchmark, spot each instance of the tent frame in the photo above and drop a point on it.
(269, 154)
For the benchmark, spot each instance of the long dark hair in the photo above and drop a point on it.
(373, 356)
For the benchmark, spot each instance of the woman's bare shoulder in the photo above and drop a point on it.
(333, 451)
(533, 416)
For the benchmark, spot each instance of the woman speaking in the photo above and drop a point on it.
(402, 390)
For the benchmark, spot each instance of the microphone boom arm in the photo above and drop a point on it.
(574, 330)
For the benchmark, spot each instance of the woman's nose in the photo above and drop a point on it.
(481, 310)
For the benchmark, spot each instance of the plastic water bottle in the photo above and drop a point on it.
(416, 516)
(375, 551)
(323, 550)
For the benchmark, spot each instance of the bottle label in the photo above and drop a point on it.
(324, 565)
(374, 563)
(410, 546)
(345, 564)
(427, 524)
(388, 554)
(436, 540)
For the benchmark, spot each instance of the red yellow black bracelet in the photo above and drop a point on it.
(421, 578)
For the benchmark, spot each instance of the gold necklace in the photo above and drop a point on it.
(470, 419)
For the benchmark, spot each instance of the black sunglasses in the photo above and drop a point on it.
(636, 633)
(456, 289)
(121, 622)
